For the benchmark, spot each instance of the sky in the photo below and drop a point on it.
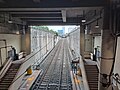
(55, 28)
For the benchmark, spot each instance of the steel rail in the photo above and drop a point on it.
(45, 74)
(70, 60)
(68, 65)
(56, 68)
(61, 69)
(56, 71)
(44, 66)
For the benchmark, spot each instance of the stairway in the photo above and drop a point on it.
(92, 76)
(7, 79)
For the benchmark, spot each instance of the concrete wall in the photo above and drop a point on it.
(43, 41)
(26, 41)
(12, 40)
(74, 40)
(11, 33)
(88, 43)
(41, 44)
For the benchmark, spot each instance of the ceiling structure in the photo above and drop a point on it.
(50, 12)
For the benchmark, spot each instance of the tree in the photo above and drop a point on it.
(45, 28)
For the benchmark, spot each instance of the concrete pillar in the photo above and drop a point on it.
(82, 39)
(107, 51)
(26, 41)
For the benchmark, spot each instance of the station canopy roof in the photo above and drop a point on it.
(50, 12)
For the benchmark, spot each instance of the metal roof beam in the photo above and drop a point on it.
(36, 12)
(69, 21)
(43, 9)
(52, 23)
(36, 15)
(29, 19)
(51, 3)
(64, 15)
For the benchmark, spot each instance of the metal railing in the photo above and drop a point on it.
(1, 61)
(5, 68)
(28, 61)
(84, 76)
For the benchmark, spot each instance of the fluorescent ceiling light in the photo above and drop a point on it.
(10, 21)
(83, 20)
(97, 26)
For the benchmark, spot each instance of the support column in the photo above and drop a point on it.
(82, 39)
(26, 41)
(107, 51)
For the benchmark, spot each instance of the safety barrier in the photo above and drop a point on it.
(85, 81)
(82, 67)
(83, 71)
(26, 62)
(5, 68)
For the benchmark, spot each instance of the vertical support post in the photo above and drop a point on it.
(54, 40)
(26, 40)
(107, 51)
(6, 48)
(46, 42)
(82, 39)
(0, 58)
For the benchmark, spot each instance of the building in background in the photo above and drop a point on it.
(63, 28)
(62, 31)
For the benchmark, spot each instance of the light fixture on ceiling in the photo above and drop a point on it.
(10, 19)
(97, 26)
(83, 19)
(17, 32)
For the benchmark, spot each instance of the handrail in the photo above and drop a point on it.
(0, 53)
(44, 56)
(98, 64)
(4, 40)
(85, 81)
(5, 68)
(26, 63)
(37, 51)
(116, 77)
(74, 85)
(84, 76)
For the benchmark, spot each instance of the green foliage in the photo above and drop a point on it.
(45, 28)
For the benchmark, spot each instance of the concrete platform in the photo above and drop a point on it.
(28, 80)
(76, 81)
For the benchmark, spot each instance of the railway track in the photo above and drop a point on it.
(56, 74)
(66, 83)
